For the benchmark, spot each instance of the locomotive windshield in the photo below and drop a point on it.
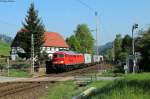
(58, 55)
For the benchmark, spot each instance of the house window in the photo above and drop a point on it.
(48, 48)
(57, 49)
(52, 49)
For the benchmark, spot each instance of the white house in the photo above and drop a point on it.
(53, 42)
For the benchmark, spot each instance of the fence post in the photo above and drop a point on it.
(8, 63)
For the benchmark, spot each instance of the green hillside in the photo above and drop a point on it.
(4, 48)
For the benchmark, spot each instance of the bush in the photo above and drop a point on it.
(119, 69)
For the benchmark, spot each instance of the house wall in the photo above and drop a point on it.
(51, 50)
(48, 50)
(14, 51)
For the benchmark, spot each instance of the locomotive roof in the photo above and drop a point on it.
(68, 52)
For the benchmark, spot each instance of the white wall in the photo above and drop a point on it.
(51, 50)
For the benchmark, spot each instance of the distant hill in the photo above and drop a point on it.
(5, 42)
(5, 38)
(105, 47)
(4, 48)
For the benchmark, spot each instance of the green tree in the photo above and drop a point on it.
(73, 43)
(85, 38)
(118, 49)
(32, 25)
(144, 49)
(108, 55)
(127, 44)
(126, 48)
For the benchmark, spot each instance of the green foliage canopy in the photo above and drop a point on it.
(82, 41)
(144, 49)
(73, 43)
(117, 45)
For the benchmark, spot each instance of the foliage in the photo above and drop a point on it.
(82, 41)
(118, 49)
(73, 43)
(42, 58)
(2, 63)
(122, 49)
(32, 25)
(123, 56)
(108, 55)
(85, 38)
(144, 49)
(127, 44)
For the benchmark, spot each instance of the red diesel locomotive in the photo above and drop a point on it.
(66, 60)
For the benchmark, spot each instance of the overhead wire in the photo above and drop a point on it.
(86, 5)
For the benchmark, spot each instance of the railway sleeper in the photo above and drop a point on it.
(18, 89)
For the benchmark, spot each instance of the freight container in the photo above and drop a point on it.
(87, 58)
(96, 58)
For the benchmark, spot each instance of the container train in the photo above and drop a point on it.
(68, 60)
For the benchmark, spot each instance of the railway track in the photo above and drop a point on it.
(22, 90)
(82, 71)
(33, 90)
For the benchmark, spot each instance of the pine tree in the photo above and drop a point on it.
(32, 25)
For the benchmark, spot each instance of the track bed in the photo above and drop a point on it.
(22, 90)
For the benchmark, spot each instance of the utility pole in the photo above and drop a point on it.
(133, 49)
(32, 53)
(8, 65)
(96, 15)
(113, 51)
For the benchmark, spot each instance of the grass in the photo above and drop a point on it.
(17, 73)
(68, 89)
(60, 90)
(134, 86)
(4, 48)
(110, 74)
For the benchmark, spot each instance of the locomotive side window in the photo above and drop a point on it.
(61, 55)
(58, 55)
(55, 56)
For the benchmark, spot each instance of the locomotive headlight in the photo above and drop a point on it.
(55, 62)
(61, 62)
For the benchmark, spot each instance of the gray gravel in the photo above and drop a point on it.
(7, 79)
(84, 78)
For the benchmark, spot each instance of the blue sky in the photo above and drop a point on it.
(115, 16)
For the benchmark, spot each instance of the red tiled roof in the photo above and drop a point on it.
(54, 39)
